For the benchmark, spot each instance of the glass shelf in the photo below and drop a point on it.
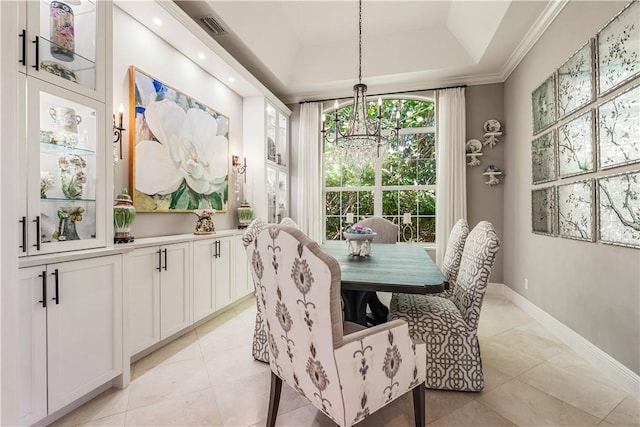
(56, 149)
(64, 199)
(79, 62)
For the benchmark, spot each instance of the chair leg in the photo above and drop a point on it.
(274, 399)
(419, 405)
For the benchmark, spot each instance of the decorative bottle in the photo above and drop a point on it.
(123, 216)
(62, 31)
(245, 214)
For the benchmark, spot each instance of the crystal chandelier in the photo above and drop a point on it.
(359, 140)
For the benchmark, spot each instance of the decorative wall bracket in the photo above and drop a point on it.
(474, 150)
(492, 132)
(492, 172)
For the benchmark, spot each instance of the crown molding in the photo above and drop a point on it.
(535, 32)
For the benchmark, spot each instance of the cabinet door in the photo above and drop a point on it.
(66, 44)
(32, 350)
(244, 286)
(175, 294)
(222, 274)
(144, 298)
(66, 198)
(203, 278)
(84, 322)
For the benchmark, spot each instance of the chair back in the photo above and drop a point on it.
(289, 222)
(478, 256)
(252, 231)
(386, 231)
(298, 286)
(453, 254)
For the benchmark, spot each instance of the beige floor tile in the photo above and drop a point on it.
(217, 322)
(112, 402)
(509, 360)
(473, 413)
(571, 361)
(112, 421)
(234, 364)
(183, 348)
(493, 377)
(167, 381)
(527, 406)
(442, 402)
(193, 409)
(572, 387)
(228, 336)
(307, 416)
(245, 402)
(499, 316)
(626, 414)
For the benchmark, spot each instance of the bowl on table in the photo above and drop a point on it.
(359, 243)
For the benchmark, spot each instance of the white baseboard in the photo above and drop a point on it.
(624, 377)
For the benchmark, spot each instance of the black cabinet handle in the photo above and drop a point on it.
(57, 297)
(44, 289)
(23, 34)
(165, 260)
(37, 43)
(37, 221)
(159, 267)
(23, 221)
(217, 255)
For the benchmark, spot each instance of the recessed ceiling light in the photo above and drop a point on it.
(157, 21)
(231, 79)
(201, 55)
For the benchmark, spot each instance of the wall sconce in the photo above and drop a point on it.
(240, 169)
(117, 130)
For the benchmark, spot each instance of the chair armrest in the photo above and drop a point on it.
(377, 365)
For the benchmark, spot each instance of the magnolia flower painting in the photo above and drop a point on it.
(180, 150)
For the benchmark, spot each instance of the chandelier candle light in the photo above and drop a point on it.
(360, 139)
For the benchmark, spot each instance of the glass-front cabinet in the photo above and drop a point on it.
(59, 43)
(277, 192)
(64, 159)
(277, 125)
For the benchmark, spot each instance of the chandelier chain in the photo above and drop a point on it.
(360, 43)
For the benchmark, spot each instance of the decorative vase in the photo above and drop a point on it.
(204, 224)
(62, 31)
(245, 214)
(72, 175)
(123, 216)
(67, 218)
(66, 125)
(46, 183)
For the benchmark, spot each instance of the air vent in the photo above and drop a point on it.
(216, 28)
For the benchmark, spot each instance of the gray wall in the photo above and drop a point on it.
(485, 203)
(592, 288)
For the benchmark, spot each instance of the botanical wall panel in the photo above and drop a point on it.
(543, 104)
(619, 49)
(543, 211)
(575, 146)
(619, 129)
(575, 210)
(619, 209)
(575, 81)
(543, 158)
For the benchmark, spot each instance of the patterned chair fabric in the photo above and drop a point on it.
(288, 222)
(386, 231)
(347, 377)
(449, 325)
(453, 255)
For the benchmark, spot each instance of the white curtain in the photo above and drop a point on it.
(451, 187)
(309, 194)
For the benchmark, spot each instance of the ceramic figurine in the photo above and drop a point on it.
(205, 225)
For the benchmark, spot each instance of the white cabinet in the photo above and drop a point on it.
(65, 44)
(266, 138)
(212, 279)
(159, 293)
(70, 331)
(64, 173)
(243, 281)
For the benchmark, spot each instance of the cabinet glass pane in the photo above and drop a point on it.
(271, 194)
(282, 140)
(67, 40)
(67, 143)
(282, 196)
(271, 133)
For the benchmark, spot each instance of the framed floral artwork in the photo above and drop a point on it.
(619, 130)
(543, 105)
(619, 49)
(543, 211)
(575, 146)
(575, 210)
(543, 158)
(618, 208)
(575, 81)
(179, 149)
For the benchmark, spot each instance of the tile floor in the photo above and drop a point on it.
(208, 378)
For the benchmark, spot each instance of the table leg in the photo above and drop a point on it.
(355, 306)
(378, 309)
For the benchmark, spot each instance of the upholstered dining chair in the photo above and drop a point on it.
(259, 347)
(346, 376)
(449, 325)
(453, 255)
(386, 232)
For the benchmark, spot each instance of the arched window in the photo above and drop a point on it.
(401, 182)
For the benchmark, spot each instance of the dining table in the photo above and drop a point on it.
(398, 268)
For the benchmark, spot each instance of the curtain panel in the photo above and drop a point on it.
(451, 189)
